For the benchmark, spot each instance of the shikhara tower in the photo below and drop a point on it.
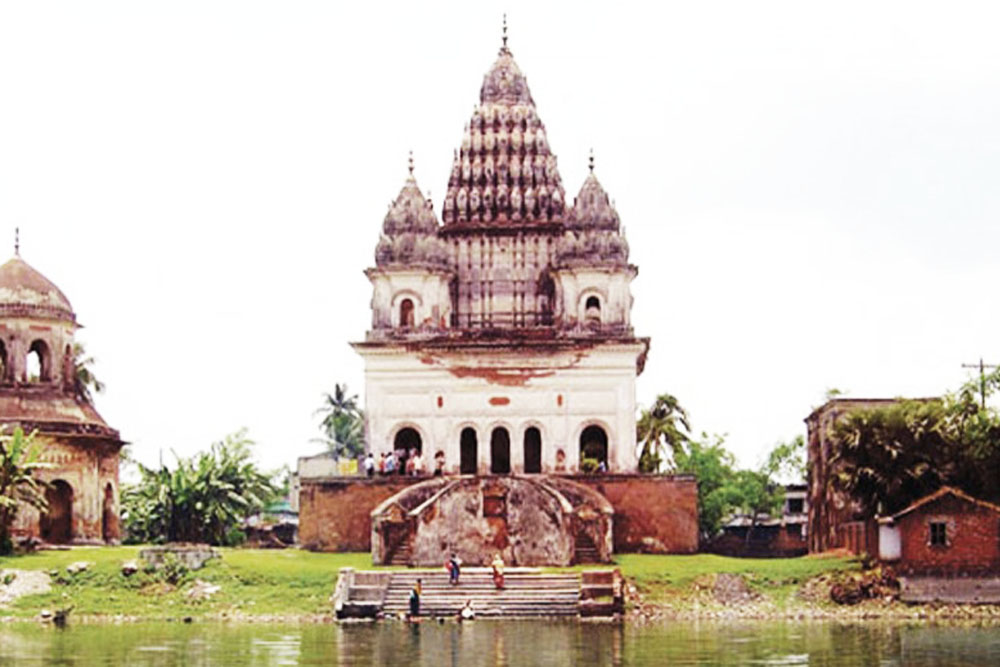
(501, 339)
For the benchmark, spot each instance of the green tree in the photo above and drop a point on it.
(887, 457)
(713, 467)
(787, 461)
(342, 423)
(205, 498)
(20, 459)
(664, 426)
(85, 383)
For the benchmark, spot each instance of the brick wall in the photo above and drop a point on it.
(973, 535)
(335, 512)
(653, 514)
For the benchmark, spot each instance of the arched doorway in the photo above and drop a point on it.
(57, 524)
(500, 451)
(109, 521)
(469, 451)
(532, 450)
(406, 313)
(594, 445)
(406, 443)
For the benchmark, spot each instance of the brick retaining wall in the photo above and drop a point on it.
(653, 513)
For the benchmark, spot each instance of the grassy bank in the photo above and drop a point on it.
(297, 584)
(252, 582)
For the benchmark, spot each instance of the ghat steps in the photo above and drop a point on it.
(526, 592)
(523, 594)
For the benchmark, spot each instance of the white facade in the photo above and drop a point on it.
(561, 393)
(501, 341)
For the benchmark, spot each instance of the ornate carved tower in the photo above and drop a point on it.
(501, 339)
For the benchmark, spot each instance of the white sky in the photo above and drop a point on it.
(809, 190)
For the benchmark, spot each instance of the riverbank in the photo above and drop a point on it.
(292, 586)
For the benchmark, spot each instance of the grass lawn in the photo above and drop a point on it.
(258, 582)
(660, 577)
(298, 583)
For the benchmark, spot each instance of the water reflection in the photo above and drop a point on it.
(537, 642)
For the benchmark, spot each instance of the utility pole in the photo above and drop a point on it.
(982, 378)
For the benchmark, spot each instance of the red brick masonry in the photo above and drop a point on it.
(972, 536)
(653, 513)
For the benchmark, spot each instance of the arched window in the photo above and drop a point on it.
(57, 523)
(592, 310)
(546, 298)
(4, 365)
(39, 363)
(406, 313)
(532, 450)
(500, 451)
(593, 447)
(469, 451)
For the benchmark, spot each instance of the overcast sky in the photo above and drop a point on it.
(809, 190)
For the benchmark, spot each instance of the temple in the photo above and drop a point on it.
(40, 392)
(500, 368)
(501, 339)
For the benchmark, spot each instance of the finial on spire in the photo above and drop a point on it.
(503, 49)
(410, 163)
(592, 160)
(17, 241)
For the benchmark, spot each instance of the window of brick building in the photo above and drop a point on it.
(939, 534)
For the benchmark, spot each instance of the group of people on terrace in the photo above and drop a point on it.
(400, 462)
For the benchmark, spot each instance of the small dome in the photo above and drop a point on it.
(410, 212)
(592, 208)
(26, 292)
(409, 232)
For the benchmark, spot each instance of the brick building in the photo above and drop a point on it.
(501, 351)
(783, 536)
(835, 521)
(945, 533)
(38, 392)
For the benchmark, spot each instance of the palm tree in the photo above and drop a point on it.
(19, 460)
(343, 423)
(664, 425)
(83, 375)
(887, 457)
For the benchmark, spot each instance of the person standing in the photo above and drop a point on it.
(415, 599)
(454, 568)
(497, 567)
(369, 465)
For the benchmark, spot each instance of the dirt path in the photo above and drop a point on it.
(22, 582)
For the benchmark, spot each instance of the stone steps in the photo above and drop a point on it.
(524, 594)
(401, 556)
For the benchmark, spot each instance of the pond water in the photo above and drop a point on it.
(512, 643)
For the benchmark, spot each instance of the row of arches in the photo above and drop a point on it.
(593, 446)
(591, 310)
(37, 363)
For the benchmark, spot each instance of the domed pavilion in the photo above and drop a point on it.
(39, 393)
